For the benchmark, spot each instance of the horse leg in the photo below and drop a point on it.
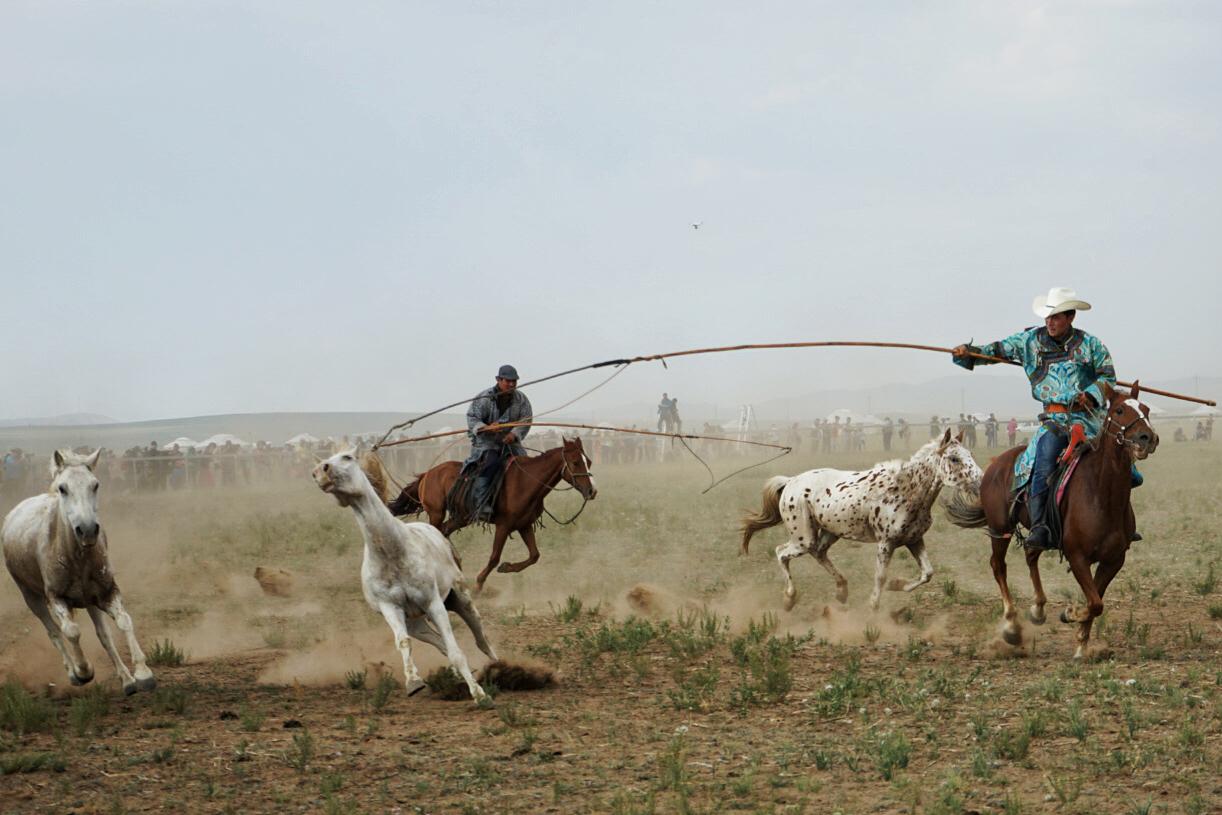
(99, 625)
(460, 603)
(80, 671)
(786, 552)
(917, 548)
(38, 604)
(1104, 573)
(881, 562)
(440, 619)
(498, 545)
(824, 542)
(397, 620)
(532, 557)
(1012, 631)
(1036, 613)
(1085, 616)
(144, 676)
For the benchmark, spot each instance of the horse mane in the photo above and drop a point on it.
(371, 465)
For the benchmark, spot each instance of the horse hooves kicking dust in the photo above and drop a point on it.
(57, 552)
(276, 582)
(504, 674)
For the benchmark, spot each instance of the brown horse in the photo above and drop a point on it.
(519, 505)
(1097, 516)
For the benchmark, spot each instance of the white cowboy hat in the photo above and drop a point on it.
(1056, 301)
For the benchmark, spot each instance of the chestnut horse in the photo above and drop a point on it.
(1097, 518)
(519, 504)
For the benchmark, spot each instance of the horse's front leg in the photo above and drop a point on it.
(498, 545)
(917, 548)
(1036, 613)
(532, 550)
(80, 671)
(881, 562)
(1086, 615)
(142, 674)
(1012, 631)
(396, 618)
(99, 625)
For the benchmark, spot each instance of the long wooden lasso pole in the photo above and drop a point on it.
(761, 347)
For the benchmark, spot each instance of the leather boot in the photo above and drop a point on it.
(1041, 535)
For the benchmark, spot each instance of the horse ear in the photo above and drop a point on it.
(959, 437)
(59, 459)
(1135, 393)
(945, 440)
(92, 461)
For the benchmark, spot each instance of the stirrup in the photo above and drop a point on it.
(1135, 537)
(1046, 545)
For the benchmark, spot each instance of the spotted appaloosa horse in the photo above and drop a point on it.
(888, 504)
(1097, 515)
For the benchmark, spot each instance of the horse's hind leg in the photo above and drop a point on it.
(823, 542)
(99, 625)
(1036, 613)
(786, 552)
(882, 561)
(143, 676)
(532, 552)
(1012, 631)
(917, 548)
(460, 603)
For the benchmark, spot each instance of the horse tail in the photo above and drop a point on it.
(770, 512)
(408, 502)
(965, 510)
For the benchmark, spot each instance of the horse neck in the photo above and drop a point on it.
(374, 518)
(919, 474)
(1111, 465)
(543, 470)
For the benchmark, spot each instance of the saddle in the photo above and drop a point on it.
(1067, 464)
(463, 504)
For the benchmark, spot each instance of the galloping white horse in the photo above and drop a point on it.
(409, 573)
(888, 504)
(55, 549)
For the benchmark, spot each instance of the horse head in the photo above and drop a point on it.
(576, 470)
(75, 487)
(955, 465)
(1128, 422)
(341, 476)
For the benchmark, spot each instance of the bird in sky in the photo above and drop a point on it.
(697, 225)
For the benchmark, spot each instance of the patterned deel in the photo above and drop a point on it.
(1058, 371)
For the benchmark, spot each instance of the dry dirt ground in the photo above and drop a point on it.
(683, 686)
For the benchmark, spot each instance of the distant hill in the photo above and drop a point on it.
(63, 420)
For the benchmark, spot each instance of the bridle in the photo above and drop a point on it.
(568, 474)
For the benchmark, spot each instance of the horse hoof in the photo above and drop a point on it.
(894, 584)
(1040, 620)
(1012, 636)
(146, 684)
(129, 688)
(415, 686)
(790, 601)
(78, 680)
(1065, 616)
(504, 568)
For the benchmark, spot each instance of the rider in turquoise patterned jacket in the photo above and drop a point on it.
(1067, 368)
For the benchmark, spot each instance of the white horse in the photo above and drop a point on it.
(409, 573)
(888, 504)
(55, 550)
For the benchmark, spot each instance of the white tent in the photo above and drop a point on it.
(302, 438)
(221, 439)
(182, 442)
(1205, 410)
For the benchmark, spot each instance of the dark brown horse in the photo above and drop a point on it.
(519, 505)
(1097, 518)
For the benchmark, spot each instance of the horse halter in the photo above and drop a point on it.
(1121, 433)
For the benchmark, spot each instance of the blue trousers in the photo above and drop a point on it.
(1047, 451)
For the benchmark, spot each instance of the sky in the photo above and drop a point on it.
(213, 207)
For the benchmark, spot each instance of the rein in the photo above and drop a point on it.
(564, 467)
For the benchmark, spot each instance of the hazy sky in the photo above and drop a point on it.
(215, 207)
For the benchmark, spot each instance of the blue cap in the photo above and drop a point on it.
(507, 372)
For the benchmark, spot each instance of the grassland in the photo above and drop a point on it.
(684, 687)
